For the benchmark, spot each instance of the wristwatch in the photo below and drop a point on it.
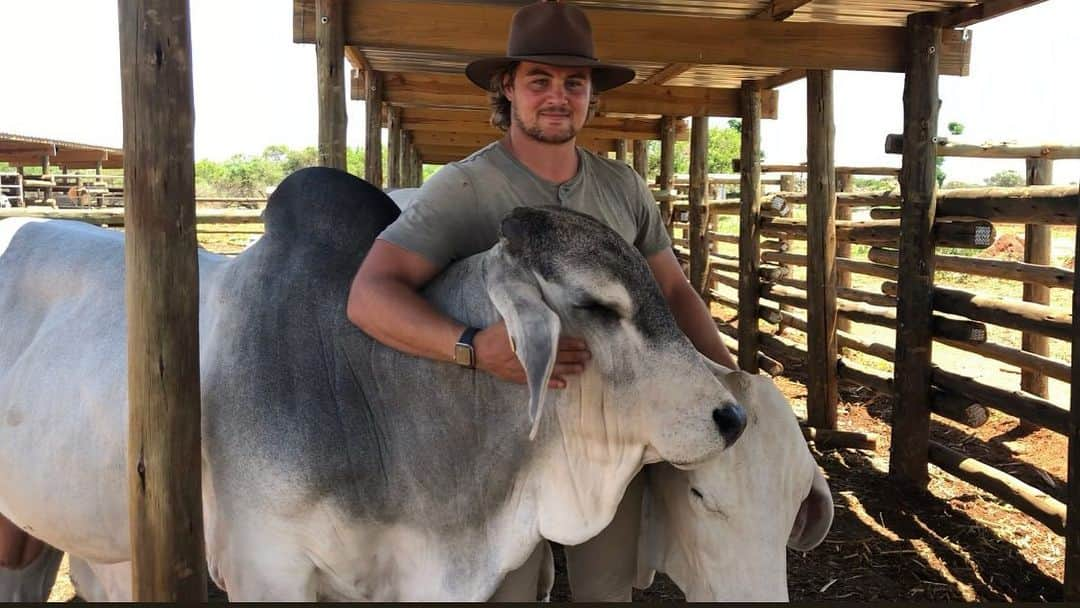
(464, 354)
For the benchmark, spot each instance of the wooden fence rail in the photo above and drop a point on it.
(115, 217)
(1049, 276)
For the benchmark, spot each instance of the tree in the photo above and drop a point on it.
(725, 144)
(955, 128)
(1005, 179)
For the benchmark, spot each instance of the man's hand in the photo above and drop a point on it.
(494, 355)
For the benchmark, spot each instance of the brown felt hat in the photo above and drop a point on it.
(554, 33)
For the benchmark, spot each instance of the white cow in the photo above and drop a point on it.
(335, 467)
(720, 530)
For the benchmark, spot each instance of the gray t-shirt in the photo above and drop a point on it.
(458, 211)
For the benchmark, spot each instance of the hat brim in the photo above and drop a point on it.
(605, 76)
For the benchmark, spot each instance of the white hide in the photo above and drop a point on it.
(403, 197)
(720, 531)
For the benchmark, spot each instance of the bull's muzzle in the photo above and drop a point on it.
(730, 421)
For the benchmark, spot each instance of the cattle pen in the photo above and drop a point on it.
(794, 284)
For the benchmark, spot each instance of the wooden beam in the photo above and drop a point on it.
(474, 141)
(1037, 246)
(894, 144)
(778, 168)
(667, 73)
(914, 337)
(373, 133)
(822, 394)
(455, 91)
(64, 158)
(164, 456)
(779, 80)
(999, 269)
(26, 148)
(1003, 312)
(639, 36)
(699, 211)
(330, 57)
(393, 145)
(749, 233)
(844, 183)
(1036, 503)
(477, 121)
(970, 15)
(666, 179)
(1047, 205)
(620, 150)
(356, 59)
(1072, 524)
(778, 10)
(641, 158)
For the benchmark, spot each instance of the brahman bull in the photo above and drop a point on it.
(745, 499)
(720, 530)
(335, 467)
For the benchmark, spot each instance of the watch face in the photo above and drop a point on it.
(463, 355)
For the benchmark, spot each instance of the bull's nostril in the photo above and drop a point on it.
(730, 421)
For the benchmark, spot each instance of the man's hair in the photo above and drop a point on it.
(500, 106)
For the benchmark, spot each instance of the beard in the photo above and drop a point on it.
(536, 132)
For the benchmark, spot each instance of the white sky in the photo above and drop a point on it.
(255, 87)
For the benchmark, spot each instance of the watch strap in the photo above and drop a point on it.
(465, 345)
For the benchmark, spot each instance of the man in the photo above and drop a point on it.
(541, 93)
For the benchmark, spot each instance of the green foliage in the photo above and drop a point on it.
(949, 185)
(863, 184)
(956, 128)
(1006, 178)
(725, 144)
(243, 175)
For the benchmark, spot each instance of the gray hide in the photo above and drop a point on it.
(335, 467)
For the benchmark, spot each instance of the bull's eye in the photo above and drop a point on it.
(598, 309)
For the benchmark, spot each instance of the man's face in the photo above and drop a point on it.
(549, 103)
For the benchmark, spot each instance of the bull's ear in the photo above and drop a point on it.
(815, 516)
(533, 326)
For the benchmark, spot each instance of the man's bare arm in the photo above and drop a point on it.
(689, 310)
(384, 302)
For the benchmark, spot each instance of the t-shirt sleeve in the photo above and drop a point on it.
(435, 225)
(652, 235)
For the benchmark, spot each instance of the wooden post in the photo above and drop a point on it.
(699, 205)
(822, 394)
(393, 152)
(1072, 522)
(845, 182)
(787, 184)
(373, 99)
(1037, 240)
(404, 161)
(330, 56)
(620, 150)
(666, 178)
(162, 298)
(641, 158)
(918, 189)
(749, 216)
(417, 167)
